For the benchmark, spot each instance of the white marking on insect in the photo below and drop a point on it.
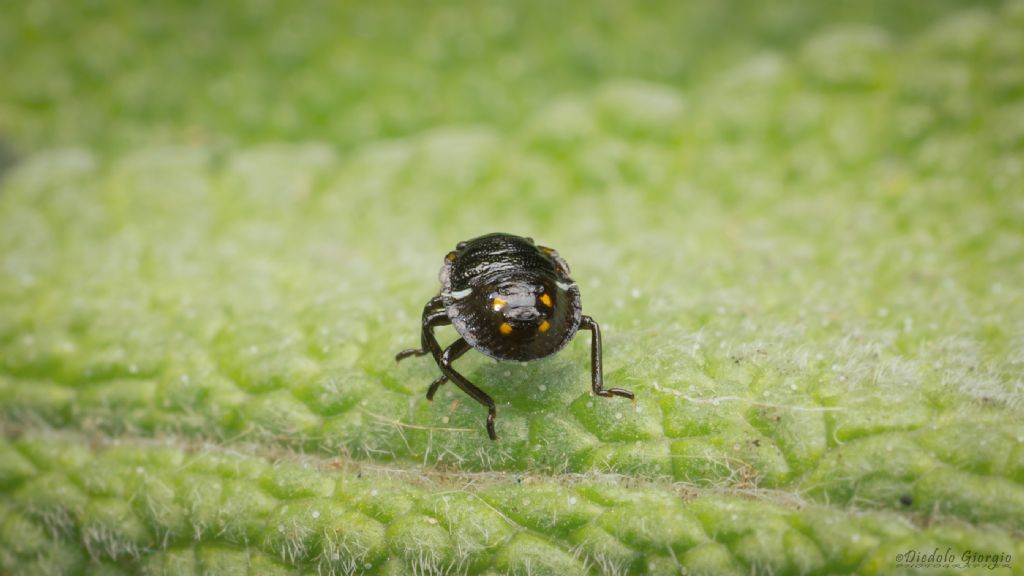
(460, 294)
(563, 285)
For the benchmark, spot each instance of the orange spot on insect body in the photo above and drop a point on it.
(505, 328)
(545, 299)
(498, 304)
(544, 326)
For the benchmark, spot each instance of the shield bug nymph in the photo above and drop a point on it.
(511, 300)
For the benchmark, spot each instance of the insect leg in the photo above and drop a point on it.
(596, 374)
(433, 316)
(457, 349)
(447, 358)
(435, 385)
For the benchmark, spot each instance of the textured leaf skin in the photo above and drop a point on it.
(174, 511)
(807, 264)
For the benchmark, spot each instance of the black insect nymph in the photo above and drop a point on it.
(511, 300)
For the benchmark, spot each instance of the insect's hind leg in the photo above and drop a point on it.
(456, 350)
(596, 373)
(434, 315)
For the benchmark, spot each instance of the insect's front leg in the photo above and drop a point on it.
(596, 372)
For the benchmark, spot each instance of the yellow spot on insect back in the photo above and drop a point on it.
(505, 328)
(544, 326)
(545, 299)
(498, 304)
(450, 257)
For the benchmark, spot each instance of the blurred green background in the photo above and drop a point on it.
(117, 75)
(800, 225)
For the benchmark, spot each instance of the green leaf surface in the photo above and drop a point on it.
(806, 260)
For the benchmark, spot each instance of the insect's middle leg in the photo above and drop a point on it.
(434, 315)
(435, 385)
(450, 355)
(457, 349)
(596, 373)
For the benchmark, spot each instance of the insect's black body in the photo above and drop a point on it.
(511, 300)
(513, 283)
